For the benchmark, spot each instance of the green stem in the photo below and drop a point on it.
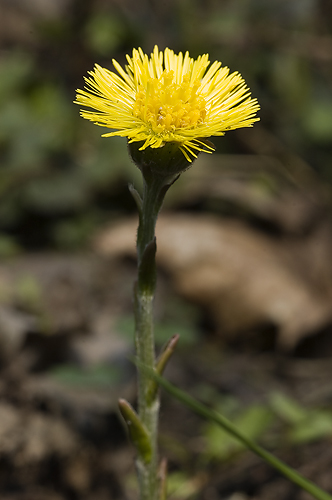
(154, 190)
(206, 412)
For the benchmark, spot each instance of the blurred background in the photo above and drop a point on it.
(244, 254)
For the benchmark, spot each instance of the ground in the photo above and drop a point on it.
(66, 335)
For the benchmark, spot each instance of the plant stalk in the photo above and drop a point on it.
(154, 190)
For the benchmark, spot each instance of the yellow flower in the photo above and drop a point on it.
(168, 98)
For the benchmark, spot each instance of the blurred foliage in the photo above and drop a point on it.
(182, 486)
(58, 179)
(96, 377)
(252, 422)
(302, 424)
(281, 421)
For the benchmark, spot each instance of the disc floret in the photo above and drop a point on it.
(166, 105)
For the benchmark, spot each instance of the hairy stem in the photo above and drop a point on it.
(155, 188)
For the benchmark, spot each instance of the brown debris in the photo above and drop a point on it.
(244, 278)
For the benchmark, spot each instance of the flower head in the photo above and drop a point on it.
(168, 97)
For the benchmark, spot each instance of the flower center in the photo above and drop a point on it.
(167, 106)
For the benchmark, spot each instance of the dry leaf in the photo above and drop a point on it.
(243, 277)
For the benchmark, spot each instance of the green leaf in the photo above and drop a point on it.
(317, 425)
(161, 363)
(286, 408)
(137, 431)
(252, 422)
(305, 424)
